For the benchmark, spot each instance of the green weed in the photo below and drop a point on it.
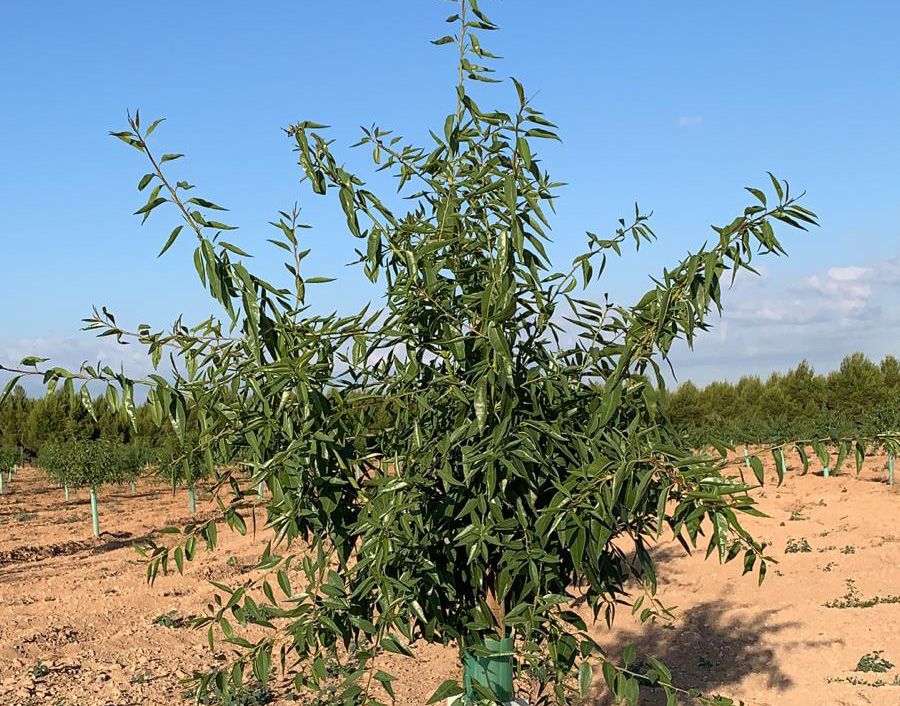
(874, 662)
(797, 546)
(852, 599)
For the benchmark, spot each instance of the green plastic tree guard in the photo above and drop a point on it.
(95, 516)
(192, 499)
(493, 670)
(826, 472)
(66, 492)
(2, 490)
(890, 468)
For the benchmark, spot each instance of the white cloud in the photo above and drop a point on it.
(768, 325)
(71, 351)
(689, 120)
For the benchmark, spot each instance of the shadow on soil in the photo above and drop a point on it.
(710, 650)
(108, 542)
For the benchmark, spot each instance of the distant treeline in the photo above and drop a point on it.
(30, 423)
(860, 398)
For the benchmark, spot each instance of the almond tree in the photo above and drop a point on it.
(183, 463)
(526, 463)
(87, 464)
(9, 459)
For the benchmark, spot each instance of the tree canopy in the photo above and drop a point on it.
(471, 457)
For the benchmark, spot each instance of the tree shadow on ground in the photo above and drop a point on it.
(710, 648)
(20, 559)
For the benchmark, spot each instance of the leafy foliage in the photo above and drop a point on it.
(874, 662)
(29, 423)
(89, 464)
(470, 459)
(9, 457)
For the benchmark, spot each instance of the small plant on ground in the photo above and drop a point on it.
(253, 694)
(171, 619)
(141, 677)
(857, 681)
(874, 662)
(39, 670)
(848, 549)
(797, 513)
(852, 599)
(797, 546)
(182, 462)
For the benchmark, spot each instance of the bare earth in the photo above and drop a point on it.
(81, 608)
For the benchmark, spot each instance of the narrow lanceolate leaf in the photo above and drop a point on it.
(778, 456)
(150, 206)
(205, 203)
(173, 236)
(447, 690)
(480, 402)
(757, 467)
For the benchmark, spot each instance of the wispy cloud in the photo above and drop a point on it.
(71, 351)
(769, 325)
(689, 120)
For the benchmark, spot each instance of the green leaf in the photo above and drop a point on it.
(385, 680)
(32, 360)
(150, 206)
(205, 203)
(173, 236)
(447, 690)
(778, 456)
(9, 387)
(758, 194)
(585, 679)
(392, 645)
(757, 468)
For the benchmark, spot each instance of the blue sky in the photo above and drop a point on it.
(674, 105)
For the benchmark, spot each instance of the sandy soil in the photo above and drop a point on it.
(79, 624)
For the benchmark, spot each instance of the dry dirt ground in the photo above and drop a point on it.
(79, 625)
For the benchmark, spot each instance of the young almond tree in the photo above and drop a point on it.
(467, 463)
(183, 463)
(10, 456)
(55, 458)
(86, 464)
